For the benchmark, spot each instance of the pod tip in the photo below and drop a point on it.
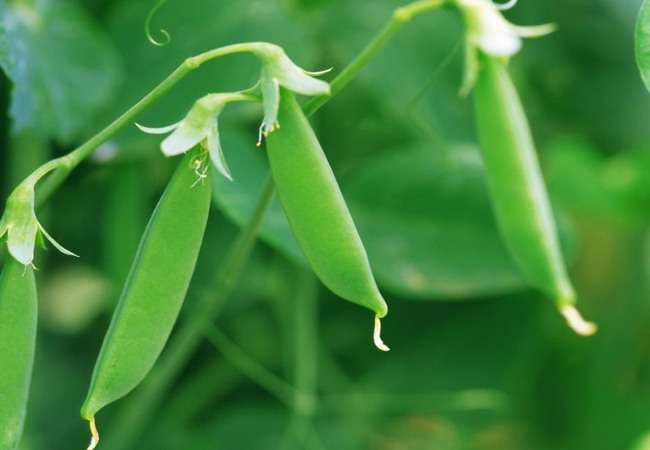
(94, 435)
(377, 336)
(576, 322)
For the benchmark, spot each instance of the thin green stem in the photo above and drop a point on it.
(188, 337)
(400, 17)
(252, 47)
(303, 327)
(407, 12)
(191, 399)
(433, 78)
(65, 164)
(305, 344)
(282, 390)
(364, 403)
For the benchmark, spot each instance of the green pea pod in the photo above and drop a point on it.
(17, 342)
(518, 194)
(155, 288)
(317, 212)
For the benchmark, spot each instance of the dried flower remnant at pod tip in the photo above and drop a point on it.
(20, 227)
(94, 435)
(379, 343)
(576, 322)
(200, 126)
(278, 70)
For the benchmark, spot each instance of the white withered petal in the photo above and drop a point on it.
(278, 70)
(199, 126)
(490, 32)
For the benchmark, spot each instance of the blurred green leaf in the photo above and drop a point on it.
(426, 222)
(232, 429)
(72, 298)
(62, 66)
(124, 218)
(573, 170)
(627, 177)
(585, 182)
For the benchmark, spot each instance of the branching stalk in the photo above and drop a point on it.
(248, 366)
(65, 164)
(183, 344)
(400, 17)
(191, 332)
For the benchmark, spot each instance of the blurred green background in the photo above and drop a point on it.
(479, 361)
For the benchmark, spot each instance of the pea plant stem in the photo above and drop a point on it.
(248, 366)
(304, 340)
(399, 18)
(65, 164)
(305, 344)
(146, 399)
(389, 403)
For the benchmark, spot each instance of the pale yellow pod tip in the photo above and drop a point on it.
(576, 322)
(377, 336)
(94, 435)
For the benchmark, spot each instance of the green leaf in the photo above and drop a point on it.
(587, 184)
(425, 219)
(62, 67)
(642, 42)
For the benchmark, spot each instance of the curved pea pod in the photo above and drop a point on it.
(517, 190)
(154, 290)
(317, 212)
(642, 42)
(17, 343)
